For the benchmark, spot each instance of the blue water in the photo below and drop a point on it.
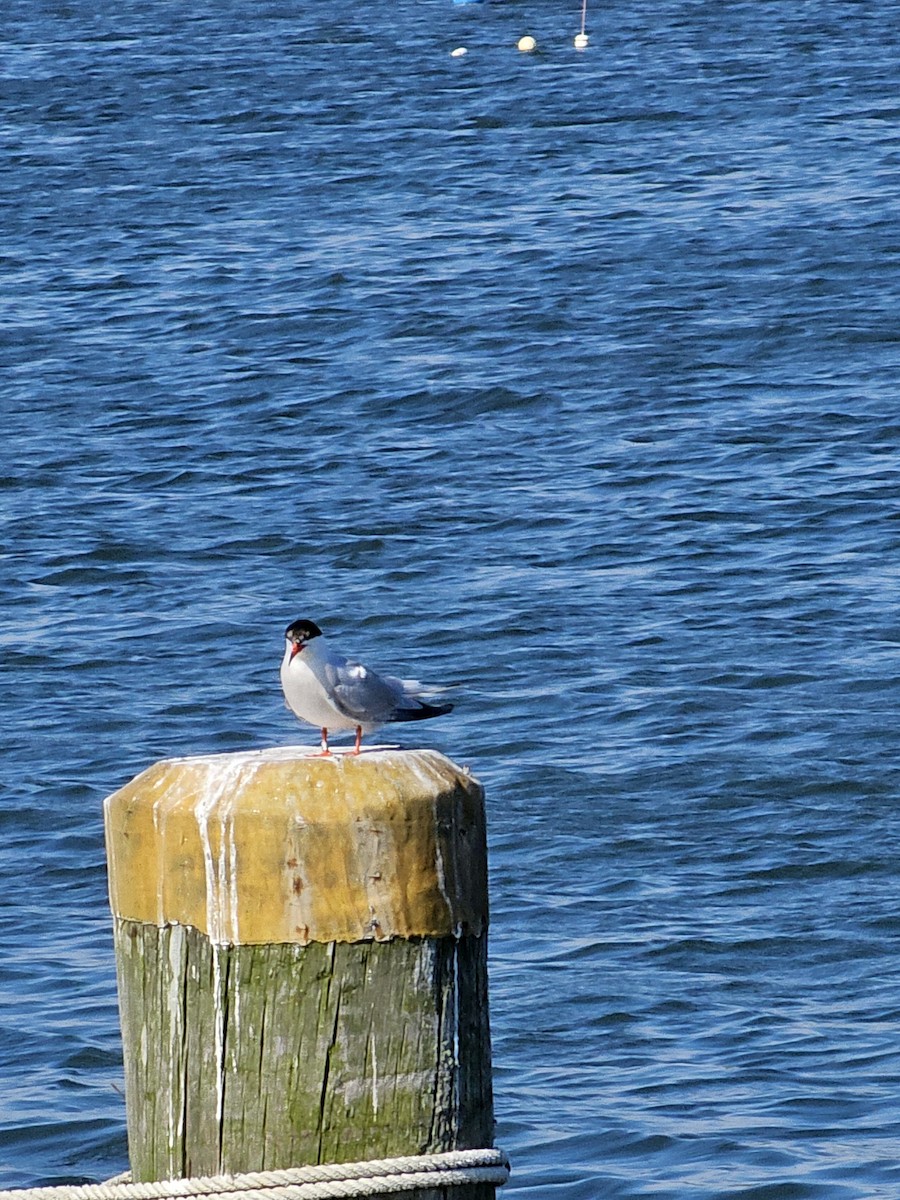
(567, 380)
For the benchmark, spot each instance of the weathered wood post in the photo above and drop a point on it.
(301, 949)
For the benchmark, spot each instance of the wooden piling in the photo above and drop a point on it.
(301, 949)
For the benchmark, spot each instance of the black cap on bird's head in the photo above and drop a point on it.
(300, 632)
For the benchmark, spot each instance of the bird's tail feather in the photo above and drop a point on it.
(420, 712)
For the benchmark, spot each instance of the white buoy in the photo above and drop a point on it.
(458, 52)
(526, 44)
(581, 39)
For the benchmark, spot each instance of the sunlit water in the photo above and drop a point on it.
(566, 380)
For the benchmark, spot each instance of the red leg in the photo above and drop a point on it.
(324, 752)
(358, 739)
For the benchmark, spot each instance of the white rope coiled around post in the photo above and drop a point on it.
(333, 1181)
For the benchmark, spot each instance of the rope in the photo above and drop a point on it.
(334, 1181)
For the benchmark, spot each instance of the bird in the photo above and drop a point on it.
(323, 688)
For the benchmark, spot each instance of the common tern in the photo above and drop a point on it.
(326, 689)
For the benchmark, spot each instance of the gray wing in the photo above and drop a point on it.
(361, 694)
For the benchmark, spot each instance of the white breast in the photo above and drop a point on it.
(306, 694)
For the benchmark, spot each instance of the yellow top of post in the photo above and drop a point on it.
(280, 846)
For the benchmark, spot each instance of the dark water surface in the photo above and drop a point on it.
(568, 380)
